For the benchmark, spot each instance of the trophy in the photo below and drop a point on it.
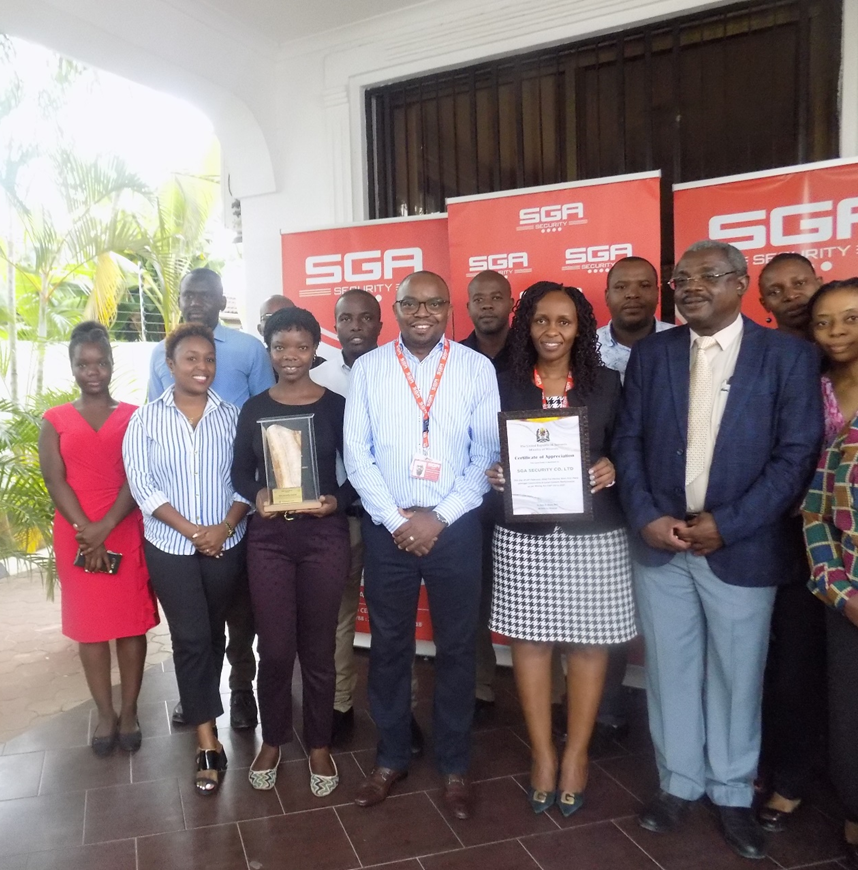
(291, 473)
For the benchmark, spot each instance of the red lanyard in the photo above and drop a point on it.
(570, 384)
(424, 406)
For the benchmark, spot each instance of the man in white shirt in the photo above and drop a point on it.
(631, 294)
(632, 297)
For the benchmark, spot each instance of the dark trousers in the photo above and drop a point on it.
(241, 631)
(451, 572)
(297, 571)
(195, 592)
(613, 707)
(843, 709)
(794, 701)
(486, 657)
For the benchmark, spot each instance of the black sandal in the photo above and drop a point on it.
(210, 759)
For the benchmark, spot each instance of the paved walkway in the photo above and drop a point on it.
(40, 670)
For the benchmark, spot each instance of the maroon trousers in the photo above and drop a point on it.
(297, 571)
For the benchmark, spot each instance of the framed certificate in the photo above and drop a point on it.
(545, 456)
(289, 445)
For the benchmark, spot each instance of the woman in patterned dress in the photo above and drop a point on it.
(830, 516)
(567, 584)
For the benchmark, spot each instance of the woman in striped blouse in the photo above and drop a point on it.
(178, 453)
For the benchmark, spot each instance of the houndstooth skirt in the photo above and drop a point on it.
(563, 588)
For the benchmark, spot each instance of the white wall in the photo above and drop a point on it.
(130, 370)
(290, 116)
(320, 96)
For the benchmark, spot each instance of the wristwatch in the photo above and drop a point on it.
(440, 519)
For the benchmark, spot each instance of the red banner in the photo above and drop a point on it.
(319, 265)
(811, 209)
(571, 233)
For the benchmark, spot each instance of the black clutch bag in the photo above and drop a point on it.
(114, 558)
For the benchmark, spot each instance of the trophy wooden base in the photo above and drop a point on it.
(279, 508)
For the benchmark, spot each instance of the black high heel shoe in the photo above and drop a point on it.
(210, 759)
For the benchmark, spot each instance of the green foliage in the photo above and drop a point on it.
(26, 509)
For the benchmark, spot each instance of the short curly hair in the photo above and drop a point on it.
(287, 319)
(187, 330)
(584, 361)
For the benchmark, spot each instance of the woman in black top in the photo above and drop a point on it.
(565, 585)
(297, 569)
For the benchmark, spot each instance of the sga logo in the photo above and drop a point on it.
(360, 266)
(497, 262)
(787, 225)
(550, 213)
(597, 254)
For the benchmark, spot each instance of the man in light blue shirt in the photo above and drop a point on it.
(243, 370)
(243, 367)
(421, 429)
(632, 297)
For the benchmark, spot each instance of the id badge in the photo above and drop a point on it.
(424, 468)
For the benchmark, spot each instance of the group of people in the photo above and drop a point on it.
(711, 432)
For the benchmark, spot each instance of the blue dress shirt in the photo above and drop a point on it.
(243, 367)
(383, 432)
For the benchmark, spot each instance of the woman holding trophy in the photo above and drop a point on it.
(286, 450)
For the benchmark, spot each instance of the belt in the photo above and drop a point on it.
(418, 507)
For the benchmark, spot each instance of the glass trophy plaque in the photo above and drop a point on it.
(291, 472)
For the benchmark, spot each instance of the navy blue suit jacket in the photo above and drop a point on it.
(767, 447)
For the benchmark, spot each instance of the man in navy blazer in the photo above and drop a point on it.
(707, 494)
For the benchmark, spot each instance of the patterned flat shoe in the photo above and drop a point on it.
(322, 786)
(263, 780)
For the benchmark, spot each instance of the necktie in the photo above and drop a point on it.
(701, 394)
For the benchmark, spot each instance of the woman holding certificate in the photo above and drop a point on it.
(562, 584)
(297, 568)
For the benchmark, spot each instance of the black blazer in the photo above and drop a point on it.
(602, 405)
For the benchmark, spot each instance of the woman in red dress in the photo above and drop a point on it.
(80, 452)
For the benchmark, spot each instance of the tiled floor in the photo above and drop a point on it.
(61, 808)
(40, 670)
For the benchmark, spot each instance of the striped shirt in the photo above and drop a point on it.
(168, 461)
(384, 426)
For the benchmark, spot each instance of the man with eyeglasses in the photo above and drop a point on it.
(420, 431)
(716, 439)
(794, 697)
(271, 305)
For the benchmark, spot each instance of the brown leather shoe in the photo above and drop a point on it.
(375, 788)
(458, 796)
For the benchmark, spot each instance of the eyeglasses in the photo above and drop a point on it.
(412, 306)
(710, 279)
